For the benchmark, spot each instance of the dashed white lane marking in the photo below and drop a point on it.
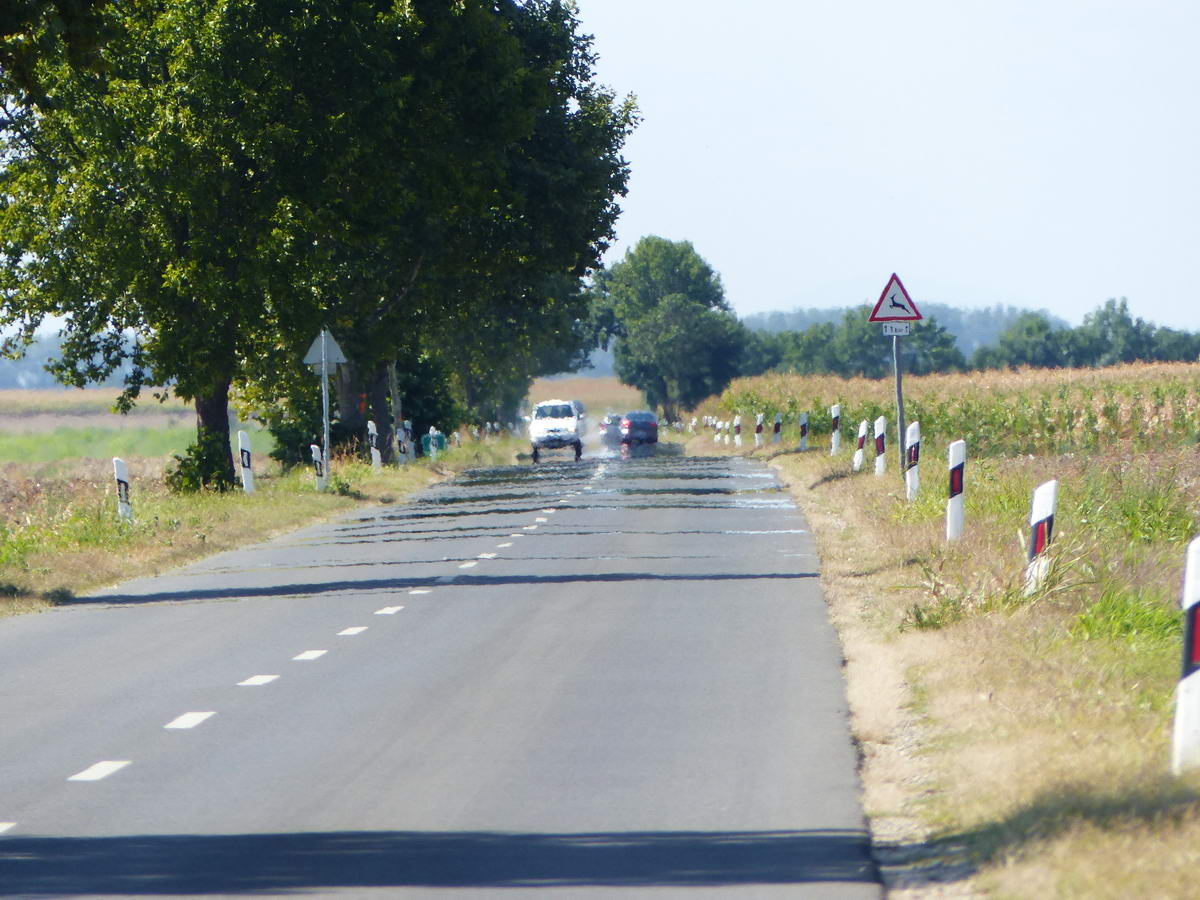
(7, 826)
(505, 544)
(530, 527)
(309, 654)
(189, 720)
(256, 680)
(562, 501)
(100, 770)
(352, 631)
(469, 565)
(541, 519)
(388, 610)
(419, 591)
(488, 555)
(549, 510)
(516, 535)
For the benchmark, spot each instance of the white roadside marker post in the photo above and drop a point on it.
(737, 431)
(1185, 747)
(880, 445)
(758, 427)
(318, 465)
(859, 453)
(692, 426)
(954, 504)
(373, 443)
(1041, 524)
(912, 470)
(835, 429)
(803, 432)
(124, 505)
(777, 434)
(244, 460)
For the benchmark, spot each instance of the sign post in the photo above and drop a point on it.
(322, 354)
(896, 312)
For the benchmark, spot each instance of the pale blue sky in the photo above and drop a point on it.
(1038, 154)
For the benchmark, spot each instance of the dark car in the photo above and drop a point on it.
(610, 430)
(639, 427)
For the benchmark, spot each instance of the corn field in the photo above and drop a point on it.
(1001, 413)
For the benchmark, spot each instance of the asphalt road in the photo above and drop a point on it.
(605, 678)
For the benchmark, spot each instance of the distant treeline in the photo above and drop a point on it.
(843, 342)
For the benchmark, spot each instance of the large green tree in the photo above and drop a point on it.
(675, 336)
(240, 172)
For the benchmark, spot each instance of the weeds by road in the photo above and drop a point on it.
(60, 536)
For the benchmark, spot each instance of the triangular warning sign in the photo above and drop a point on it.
(895, 305)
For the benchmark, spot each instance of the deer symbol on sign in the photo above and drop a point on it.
(894, 305)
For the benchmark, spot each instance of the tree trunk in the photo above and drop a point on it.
(215, 458)
(377, 395)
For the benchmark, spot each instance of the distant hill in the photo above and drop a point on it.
(972, 328)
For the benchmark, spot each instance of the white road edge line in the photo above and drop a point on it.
(256, 680)
(309, 654)
(6, 826)
(388, 610)
(516, 535)
(190, 720)
(100, 770)
(352, 631)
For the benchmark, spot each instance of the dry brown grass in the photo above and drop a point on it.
(1006, 752)
(59, 535)
(79, 401)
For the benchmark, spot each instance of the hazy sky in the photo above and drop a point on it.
(1039, 154)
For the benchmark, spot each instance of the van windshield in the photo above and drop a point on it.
(554, 412)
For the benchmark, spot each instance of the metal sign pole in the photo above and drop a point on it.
(325, 397)
(899, 402)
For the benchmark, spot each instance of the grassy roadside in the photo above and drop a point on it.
(1013, 746)
(60, 537)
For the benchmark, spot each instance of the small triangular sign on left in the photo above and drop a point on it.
(333, 353)
(895, 305)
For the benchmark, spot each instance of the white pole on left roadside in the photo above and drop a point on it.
(124, 505)
(244, 460)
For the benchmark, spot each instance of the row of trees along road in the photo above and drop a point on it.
(201, 191)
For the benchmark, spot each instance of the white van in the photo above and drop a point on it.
(555, 424)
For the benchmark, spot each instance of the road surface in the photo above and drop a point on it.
(605, 678)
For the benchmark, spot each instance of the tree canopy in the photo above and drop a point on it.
(675, 336)
(430, 179)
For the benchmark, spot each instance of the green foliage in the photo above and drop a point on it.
(200, 206)
(1130, 613)
(202, 467)
(676, 337)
